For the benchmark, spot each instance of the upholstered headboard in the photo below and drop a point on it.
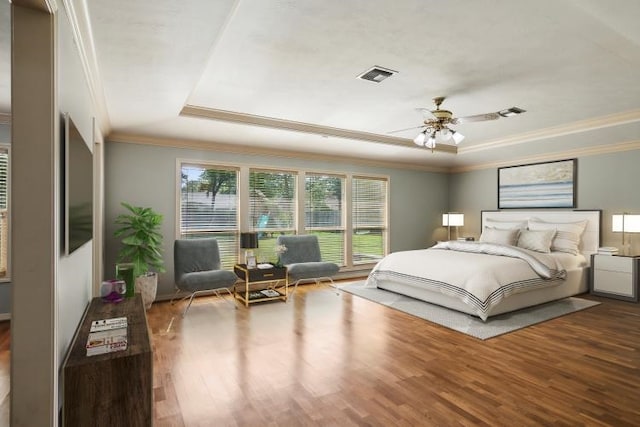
(590, 238)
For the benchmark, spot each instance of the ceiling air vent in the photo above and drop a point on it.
(376, 74)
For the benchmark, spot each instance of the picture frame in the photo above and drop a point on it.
(538, 185)
(251, 262)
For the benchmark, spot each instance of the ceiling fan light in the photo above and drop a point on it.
(457, 137)
(419, 140)
(445, 134)
(431, 142)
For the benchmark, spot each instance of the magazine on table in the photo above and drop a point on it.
(270, 293)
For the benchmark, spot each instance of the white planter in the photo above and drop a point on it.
(147, 285)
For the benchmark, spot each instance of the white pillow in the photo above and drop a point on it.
(539, 241)
(568, 234)
(505, 225)
(501, 237)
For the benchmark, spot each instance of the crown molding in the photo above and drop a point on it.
(83, 36)
(557, 131)
(5, 118)
(254, 151)
(580, 152)
(270, 122)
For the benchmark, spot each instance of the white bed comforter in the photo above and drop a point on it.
(479, 274)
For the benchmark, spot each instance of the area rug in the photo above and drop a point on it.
(465, 323)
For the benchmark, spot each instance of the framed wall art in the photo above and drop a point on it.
(538, 185)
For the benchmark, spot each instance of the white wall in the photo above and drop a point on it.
(74, 271)
(146, 175)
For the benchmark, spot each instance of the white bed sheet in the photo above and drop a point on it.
(577, 282)
(570, 261)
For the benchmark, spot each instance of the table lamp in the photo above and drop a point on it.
(248, 241)
(452, 219)
(625, 223)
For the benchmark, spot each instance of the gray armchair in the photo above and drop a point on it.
(196, 264)
(304, 261)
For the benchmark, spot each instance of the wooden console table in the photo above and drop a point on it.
(113, 389)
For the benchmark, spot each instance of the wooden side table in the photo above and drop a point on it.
(261, 284)
(615, 276)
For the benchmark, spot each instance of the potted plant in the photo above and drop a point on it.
(141, 246)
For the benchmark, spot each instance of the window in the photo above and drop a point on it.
(348, 212)
(323, 214)
(4, 212)
(369, 219)
(272, 208)
(209, 207)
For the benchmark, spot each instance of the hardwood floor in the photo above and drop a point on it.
(322, 359)
(328, 360)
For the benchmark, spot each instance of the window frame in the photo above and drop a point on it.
(267, 253)
(385, 223)
(210, 165)
(343, 228)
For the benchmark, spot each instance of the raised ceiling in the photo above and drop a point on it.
(285, 72)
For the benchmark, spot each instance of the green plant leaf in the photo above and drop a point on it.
(139, 230)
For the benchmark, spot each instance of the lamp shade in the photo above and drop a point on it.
(431, 142)
(627, 223)
(457, 137)
(248, 240)
(452, 219)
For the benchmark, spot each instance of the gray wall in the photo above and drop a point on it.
(146, 175)
(5, 133)
(606, 181)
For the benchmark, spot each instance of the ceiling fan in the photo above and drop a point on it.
(436, 124)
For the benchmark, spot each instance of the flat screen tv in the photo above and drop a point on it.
(77, 188)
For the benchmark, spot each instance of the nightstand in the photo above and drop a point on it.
(615, 276)
(273, 284)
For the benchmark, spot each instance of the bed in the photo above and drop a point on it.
(491, 277)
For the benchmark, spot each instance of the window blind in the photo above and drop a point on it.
(4, 175)
(4, 211)
(272, 208)
(369, 219)
(324, 214)
(209, 207)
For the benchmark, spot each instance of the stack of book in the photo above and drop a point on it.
(607, 251)
(107, 336)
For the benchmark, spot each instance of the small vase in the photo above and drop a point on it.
(125, 272)
(147, 285)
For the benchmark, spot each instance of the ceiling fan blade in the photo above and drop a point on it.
(426, 113)
(509, 112)
(476, 118)
(402, 130)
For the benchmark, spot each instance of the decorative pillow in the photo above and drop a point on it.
(539, 241)
(501, 237)
(567, 238)
(505, 225)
